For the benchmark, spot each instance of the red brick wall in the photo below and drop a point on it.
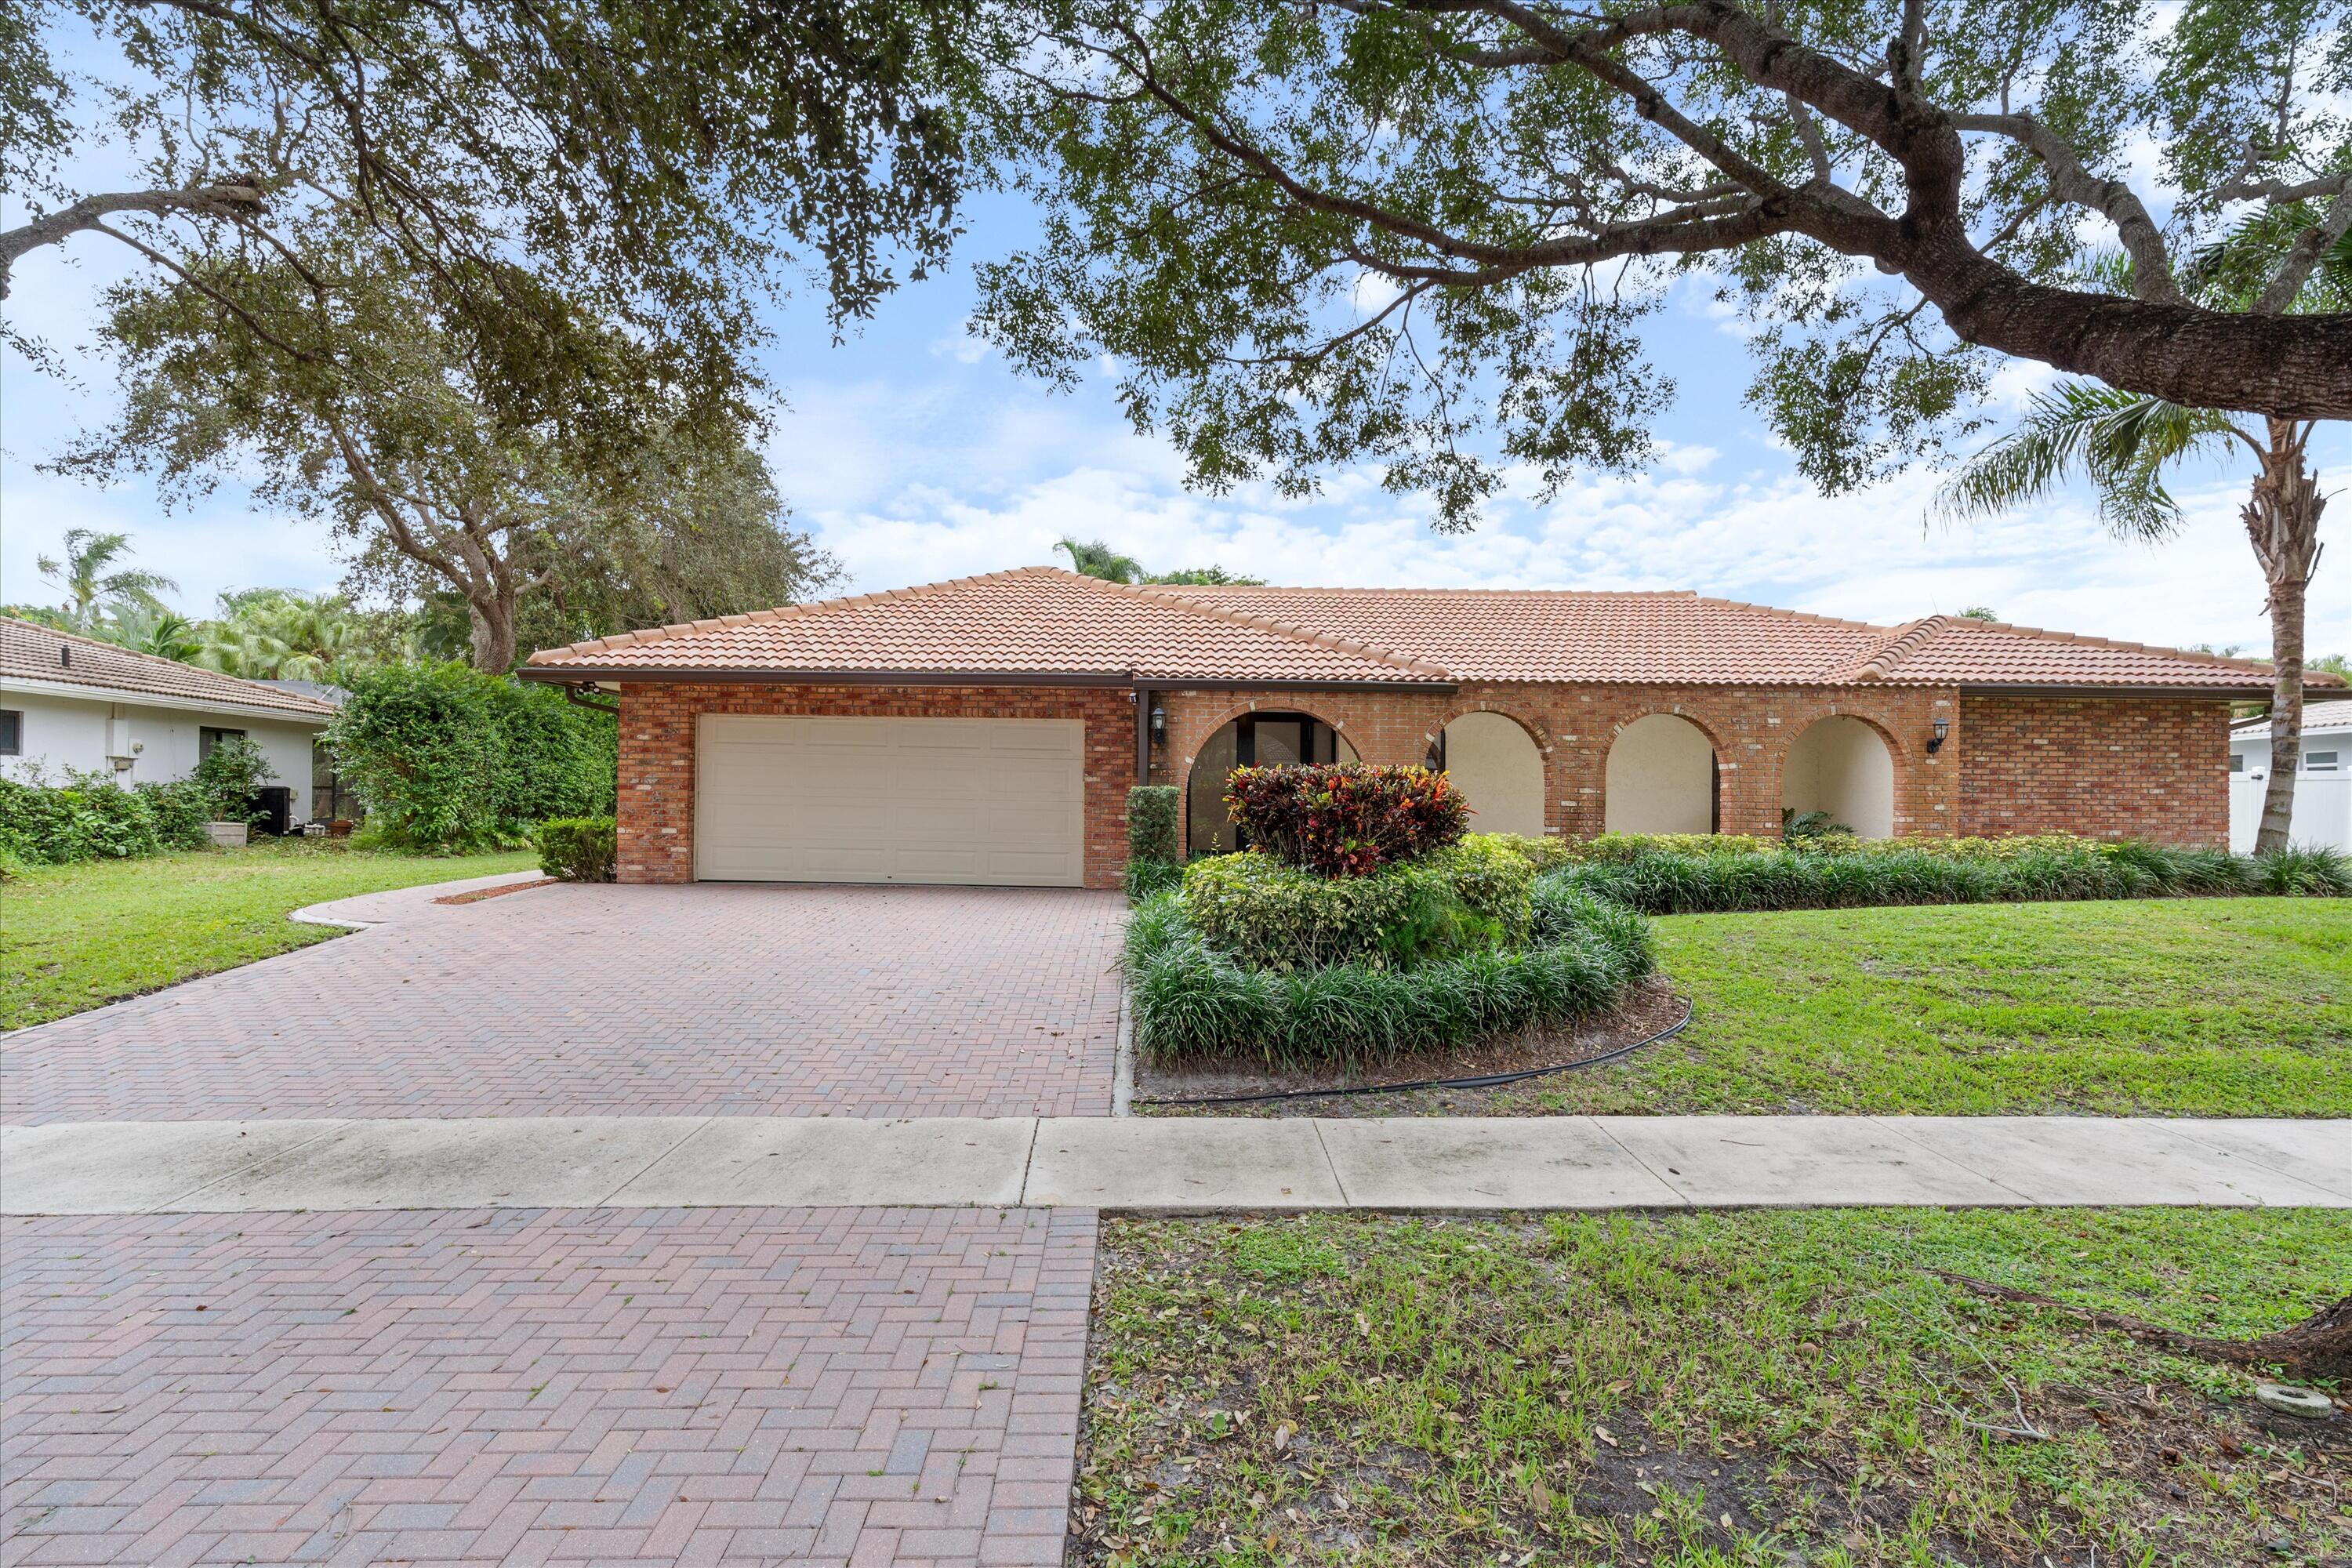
(656, 771)
(2107, 767)
(1574, 726)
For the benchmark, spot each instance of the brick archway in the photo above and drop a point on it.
(1837, 774)
(1659, 784)
(1194, 812)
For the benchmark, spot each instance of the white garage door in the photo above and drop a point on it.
(990, 802)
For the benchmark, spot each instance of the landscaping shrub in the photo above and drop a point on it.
(1154, 859)
(1346, 819)
(1266, 914)
(446, 758)
(1659, 881)
(1192, 1003)
(577, 848)
(227, 781)
(1149, 879)
(2311, 870)
(88, 818)
(1152, 822)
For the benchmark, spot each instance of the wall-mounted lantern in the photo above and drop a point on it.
(1943, 727)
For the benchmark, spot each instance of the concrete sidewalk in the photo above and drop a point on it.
(1563, 1162)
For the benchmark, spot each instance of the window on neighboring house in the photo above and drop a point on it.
(2237, 762)
(2321, 762)
(207, 738)
(12, 732)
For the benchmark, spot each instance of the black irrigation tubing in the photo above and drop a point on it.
(1491, 1080)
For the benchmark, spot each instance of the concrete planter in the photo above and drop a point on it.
(229, 835)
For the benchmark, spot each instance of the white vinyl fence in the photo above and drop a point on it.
(2323, 811)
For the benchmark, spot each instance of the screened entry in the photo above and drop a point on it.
(1250, 741)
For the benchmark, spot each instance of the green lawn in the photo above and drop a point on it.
(73, 937)
(2181, 1007)
(1701, 1391)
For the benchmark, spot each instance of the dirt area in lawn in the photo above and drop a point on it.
(1649, 1010)
(479, 894)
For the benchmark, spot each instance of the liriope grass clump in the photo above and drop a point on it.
(1194, 1004)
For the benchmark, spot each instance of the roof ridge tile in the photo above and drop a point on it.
(1320, 634)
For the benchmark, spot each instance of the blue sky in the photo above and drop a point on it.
(913, 455)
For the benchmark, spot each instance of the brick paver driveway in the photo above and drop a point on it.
(634, 1001)
(722, 1385)
(689, 1387)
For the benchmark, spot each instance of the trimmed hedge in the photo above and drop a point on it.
(578, 848)
(1154, 860)
(1153, 820)
(1264, 914)
(1346, 819)
(1192, 1003)
(1661, 882)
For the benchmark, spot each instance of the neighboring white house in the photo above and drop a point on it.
(2323, 789)
(72, 704)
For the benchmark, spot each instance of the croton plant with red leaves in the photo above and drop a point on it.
(1346, 819)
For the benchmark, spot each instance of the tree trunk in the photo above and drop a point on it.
(2319, 1346)
(492, 618)
(2283, 520)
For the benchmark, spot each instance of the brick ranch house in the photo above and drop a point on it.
(986, 730)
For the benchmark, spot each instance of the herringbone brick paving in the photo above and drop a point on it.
(642, 1001)
(575, 1386)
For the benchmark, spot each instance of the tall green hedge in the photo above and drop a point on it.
(446, 758)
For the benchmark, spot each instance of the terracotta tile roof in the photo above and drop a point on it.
(30, 651)
(1032, 620)
(1041, 619)
(1953, 650)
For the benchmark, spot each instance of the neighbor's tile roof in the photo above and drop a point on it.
(1043, 620)
(30, 651)
(1033, 619)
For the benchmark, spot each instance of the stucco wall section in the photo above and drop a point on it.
(2155, 768)
(68, 734)
(657, 764)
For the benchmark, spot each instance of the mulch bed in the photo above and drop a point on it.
(1649, 1008)
(479, 894)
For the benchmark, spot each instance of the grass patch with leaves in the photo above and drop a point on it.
(1700, 1391)
(2184, 1007)
(79, 936)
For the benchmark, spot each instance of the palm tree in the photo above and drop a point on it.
(91, 591)
(280, 634)
(166, 634)
(1098, 559)
(2125, 443)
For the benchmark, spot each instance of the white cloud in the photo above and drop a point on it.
(1760, 537)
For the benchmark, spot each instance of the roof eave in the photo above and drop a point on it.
(2098, 688)
(627, 675)
(130, 697)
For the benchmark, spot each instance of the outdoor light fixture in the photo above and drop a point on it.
(1943, 727)
(1159, 725)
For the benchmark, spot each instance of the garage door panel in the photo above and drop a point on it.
(981, 801)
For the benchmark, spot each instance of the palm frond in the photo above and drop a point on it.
(2122, 442)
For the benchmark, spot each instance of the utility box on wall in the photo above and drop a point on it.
(118, 744)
